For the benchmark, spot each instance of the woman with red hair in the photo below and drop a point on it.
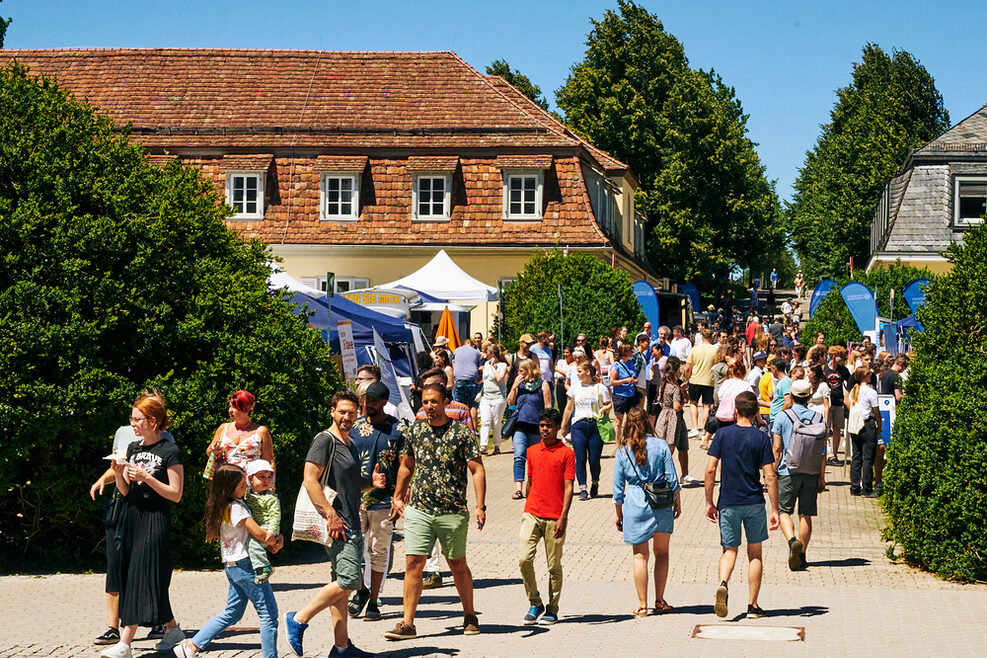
(241, 440)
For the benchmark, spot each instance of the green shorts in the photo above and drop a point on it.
(346, 558)
(800, 487)
(421, 529)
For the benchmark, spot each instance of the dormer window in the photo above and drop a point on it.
(523, 195)
(340, 196)
(969, 201)
(432, 196)
(245, 193)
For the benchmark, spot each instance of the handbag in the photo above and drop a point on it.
(113, 509)
(658, 494)
(510, 423)
(308, 524)
(604, 426)
(855, 423)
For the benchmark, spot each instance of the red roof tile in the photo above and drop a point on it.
(433, 162)
(524, 161)
(247, 162)
(353, 163)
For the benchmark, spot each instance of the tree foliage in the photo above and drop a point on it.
(833, 317)
(683, 132)
(595, 298)
(115, 276)
(4, 24)
(935, 491)
(891, 106)
(519, 80)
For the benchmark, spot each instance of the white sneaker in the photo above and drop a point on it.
(693, 433)
(182, 651)
(171, 639)
(688, 479)
(118, 650)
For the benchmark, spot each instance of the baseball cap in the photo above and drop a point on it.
(378, 391)
(259, 466)
(760, 355)
(801, 388)
(527, 338)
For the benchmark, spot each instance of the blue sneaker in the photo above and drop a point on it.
(549, 618)
(353, 652)
(294, 630)
(333, 653)
(534, 612)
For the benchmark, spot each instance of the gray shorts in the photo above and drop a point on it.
(346, 558)
(837, 417)
(801, 487)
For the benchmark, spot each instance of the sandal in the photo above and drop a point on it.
(518, 495)
(642, 611)
(662, 606)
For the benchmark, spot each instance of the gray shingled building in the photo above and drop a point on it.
(940, 193)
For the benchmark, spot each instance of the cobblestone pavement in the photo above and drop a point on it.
(852, 599)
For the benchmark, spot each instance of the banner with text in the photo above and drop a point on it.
(819, 293)
(860, 300)
(347, 348)
(390, 379)
(914, 294)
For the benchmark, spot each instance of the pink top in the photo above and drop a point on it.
(240, 447)
(729, 390)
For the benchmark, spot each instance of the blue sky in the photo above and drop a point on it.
(785, 59)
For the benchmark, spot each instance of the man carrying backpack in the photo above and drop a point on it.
(800, 456)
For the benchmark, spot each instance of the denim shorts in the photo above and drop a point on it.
(752, 517)
(464, 391)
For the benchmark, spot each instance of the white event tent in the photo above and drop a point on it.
(442, 278)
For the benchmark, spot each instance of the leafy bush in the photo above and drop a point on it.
(116, 276)
(833, 317)
(935, 483)
(595, 298)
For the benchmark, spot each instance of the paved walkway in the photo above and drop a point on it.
(851, 600)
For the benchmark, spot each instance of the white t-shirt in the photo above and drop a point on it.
(754, 376)
(680, 348)
(587, 400)
(817, 401)
(562, 369)
(866, 401)
(544, 355)
(233, 533)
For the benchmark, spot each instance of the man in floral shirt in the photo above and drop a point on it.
(378, 438)
(437, 451)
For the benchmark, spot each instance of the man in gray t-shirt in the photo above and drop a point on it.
(333, 449)
(466, 371)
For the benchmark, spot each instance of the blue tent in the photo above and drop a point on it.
(397, 333)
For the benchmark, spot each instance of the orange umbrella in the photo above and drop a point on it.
(447, 328)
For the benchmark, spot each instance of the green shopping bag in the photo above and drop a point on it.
(607, 432)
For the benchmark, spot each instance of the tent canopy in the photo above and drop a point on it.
(443, 279)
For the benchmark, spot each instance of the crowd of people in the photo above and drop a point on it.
(769, 411)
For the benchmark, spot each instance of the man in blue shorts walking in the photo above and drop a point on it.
(746, 453)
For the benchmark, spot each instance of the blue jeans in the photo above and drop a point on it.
(586, 441)
(522, 441)
(242, 590)
(464, 391)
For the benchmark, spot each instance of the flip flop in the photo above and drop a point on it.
(518, 495)
(662, 606)
(642, 612)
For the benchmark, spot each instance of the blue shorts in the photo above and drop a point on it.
(464, 391)
(752, 517)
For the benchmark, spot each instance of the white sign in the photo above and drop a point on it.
(347, 348)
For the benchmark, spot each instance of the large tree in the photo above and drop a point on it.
(520, 81)
(117, 275)
(710, 208)
(891, 106)
(4, 24)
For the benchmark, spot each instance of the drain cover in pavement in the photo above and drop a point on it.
(738, 632)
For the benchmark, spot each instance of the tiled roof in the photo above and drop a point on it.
(969, 135)
(524, 161)
(609, 163)
(292, 215)
(922, 220)
(352, 163)
(209, 97)
(248, 162)
(433, 162)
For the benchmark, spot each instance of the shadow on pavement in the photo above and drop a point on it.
(483, 583)
(287, 587)
(691, 610)
(420, 651)
(845, 562)
(804, 611)
(493, 629)
(595, 619)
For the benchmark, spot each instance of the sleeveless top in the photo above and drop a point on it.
(240, 447)
(530, 401)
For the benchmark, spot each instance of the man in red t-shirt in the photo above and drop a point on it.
(551, 471)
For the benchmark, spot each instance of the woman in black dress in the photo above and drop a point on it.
(151, 479)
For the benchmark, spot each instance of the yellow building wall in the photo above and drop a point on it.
(383, 264)
(936, 266)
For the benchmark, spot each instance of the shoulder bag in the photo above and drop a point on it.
(604, 426)
(308, 524)
(658, 494)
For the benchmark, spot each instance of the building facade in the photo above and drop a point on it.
(365, 164)
(940, 193)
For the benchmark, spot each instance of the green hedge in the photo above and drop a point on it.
(935, 491)
(116, 275)
(595, 298)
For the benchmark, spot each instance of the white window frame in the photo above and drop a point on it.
(353, 282)
(261, 177)
(446, 201)
(522, 174)
(354, 213)
(959, 222)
